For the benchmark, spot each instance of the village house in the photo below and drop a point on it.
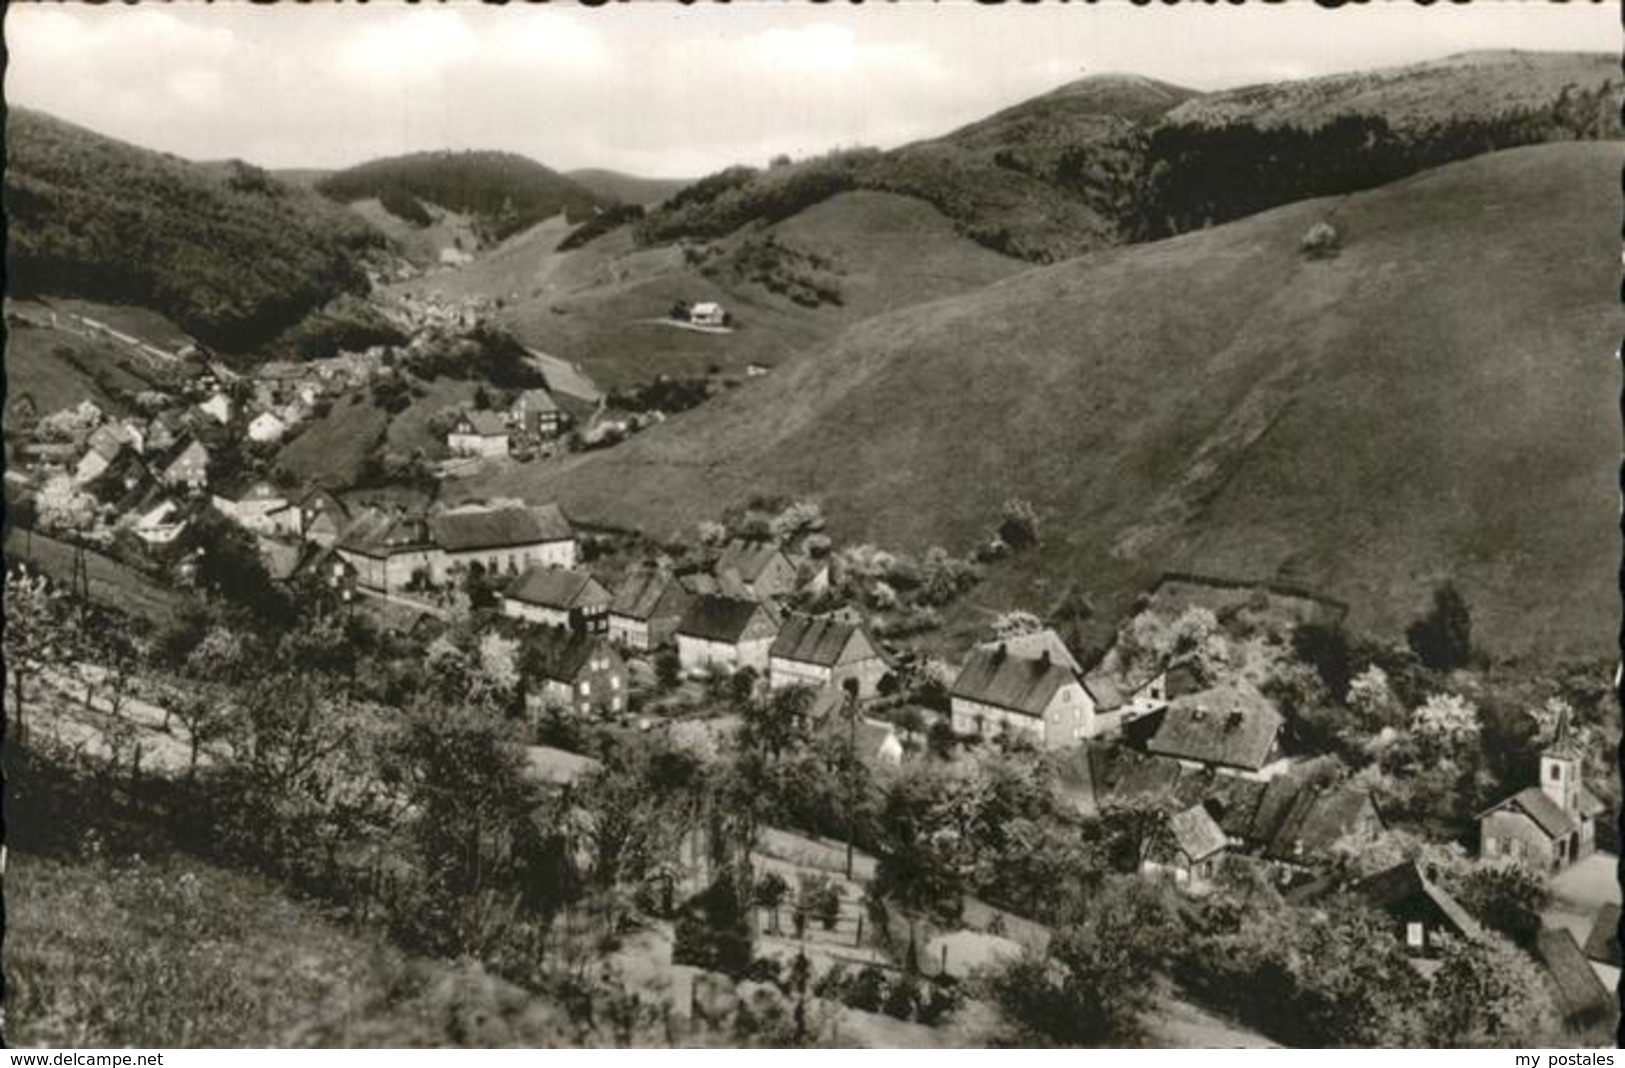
(707, 313)
(572, 670)
(388, 550)
(558, 597)
(646, 610)
(1190, 853)
(725, 633)
(1425, 914)
(185, 465)
(1583, 1002)
(100, 454)
(479, 434)
(266, 427)
(535, 413)
(760, 569)
(317, 517)
(161, 522)
(501, 539)
(1552, 825)
(1602, 946)
(577, 396)
(1039, 697)
(815, 651)
(254, 507)
(1232, 728)
(218, 408)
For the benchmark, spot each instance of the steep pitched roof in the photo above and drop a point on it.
(472, 529)
(719, 619)
(555, 587)
(647, 593)
(996, 677)
(1034, 644)
(1195, 833)
(557, 652)
(1231, 726)
(535, 401)
(1602, 945)
(566, 378)
(1547, 814)
(1394, 886)
(1317, 819)
(747, 559)
(485, 424)
(813, 640)
(1580, 992)
(377, 533)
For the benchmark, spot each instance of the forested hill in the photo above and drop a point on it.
(503, 192)
(1117, 159)
(228, 252)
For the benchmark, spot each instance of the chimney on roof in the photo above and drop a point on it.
(1233, 720)
(1043, 659)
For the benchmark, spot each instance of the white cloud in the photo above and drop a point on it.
(545, 40)
(411, 46)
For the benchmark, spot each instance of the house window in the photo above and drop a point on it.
(615, 683)
(1414, 935)
(1557, 773)
(615, 704)
(586, 687)
(1492, 846)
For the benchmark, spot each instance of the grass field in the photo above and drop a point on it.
(1435, 402)
(172, 952)
(330, 450)
(59, 368)
(111, 582)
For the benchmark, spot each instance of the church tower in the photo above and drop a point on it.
(1561, 766)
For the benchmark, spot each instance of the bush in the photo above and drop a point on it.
(1321, 242)
(1018, 524)
(714, 932)
(1443, 639)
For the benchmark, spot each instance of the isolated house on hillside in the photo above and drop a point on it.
(813, 651)
(1232, 728)
(760, 569)
(534, 412)
(1038, 697)
(479, 434)
(572, 670)
(387, 550)
(646, 610)
(1552, 825)
(503, 541)
(725, 633)
(707, 313)
(1424, 911)
(557, 597)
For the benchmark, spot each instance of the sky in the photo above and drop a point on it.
(667, 90)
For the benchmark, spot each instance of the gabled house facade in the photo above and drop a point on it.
(759, 569)
(557, 597)
(572, 670)
(1424, 913)
(479, 434)
(1190, 851)
(185, 466)
(534, 412)
(1038, 697)
(389, 551)
(725, 634)
(817, 651)
(646, 610)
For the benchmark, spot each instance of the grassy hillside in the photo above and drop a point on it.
(420, 241)
(59, 367)
(604, 305)
(173, 952)
(229, 253)
(1435, 401)
(1113, 159)
(503, 192)
(627, 188)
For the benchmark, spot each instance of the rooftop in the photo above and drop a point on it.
(719, 619)
(472, 529)
(1228, 726)
(555, 587)
(996, 677)
(813, 640)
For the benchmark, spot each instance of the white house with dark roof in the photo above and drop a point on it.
(503, 540)
(646, 610)
(558, 597)
(725, 633)
(1039, 697)
(819, 651)
(387, 549)
(479, 434)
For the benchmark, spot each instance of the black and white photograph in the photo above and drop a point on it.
(908, 525)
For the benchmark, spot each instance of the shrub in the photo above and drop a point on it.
(1443, 639)
(1321, 242)
(1018, 524)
